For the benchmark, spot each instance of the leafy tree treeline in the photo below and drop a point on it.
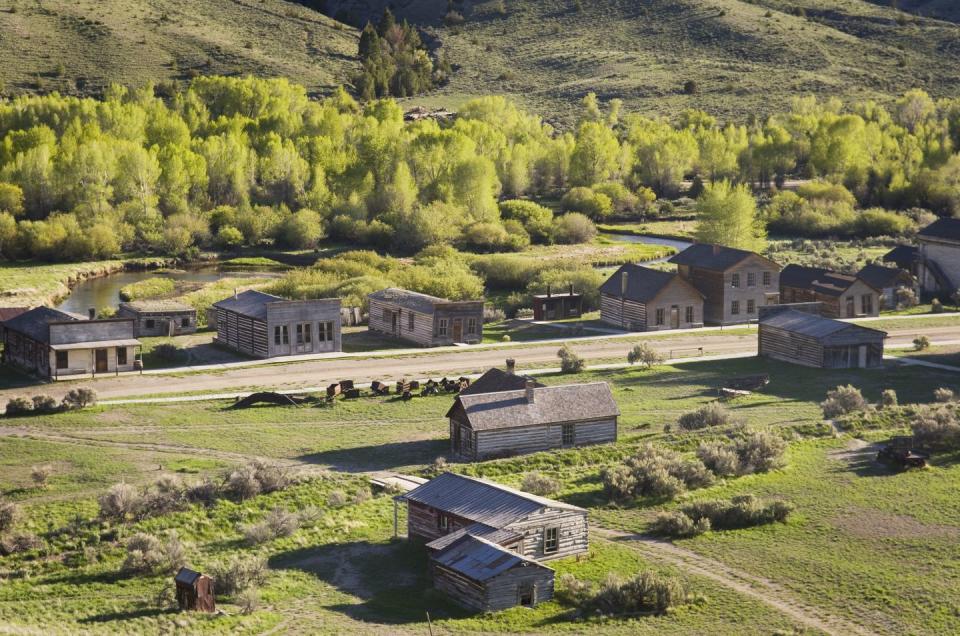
(242, 161)
(395, 62)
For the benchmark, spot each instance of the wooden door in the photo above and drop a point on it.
(674, 317)
(393, 323)
(457, 330)
(100, 357)
(851, 309)
(862, 357)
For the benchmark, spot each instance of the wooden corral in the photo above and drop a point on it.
(195, 591)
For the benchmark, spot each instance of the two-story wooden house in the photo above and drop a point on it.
(734, 282)
(638, 298)
(939, 257)
(839, 295)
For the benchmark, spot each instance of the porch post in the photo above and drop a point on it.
(395, 525)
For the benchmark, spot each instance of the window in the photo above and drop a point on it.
(184, 322)
(411, 320)
(304, 333)
(276, 335)
(767, 279)
(689, 314)
(63, 359)
(151, 323)
(324, 331)
(443, 521)
(467, 436)
(866, 304)
(280, 335)
(661, 316)
(551, 540)
(299, 334)
(471, 326)
(569, 434)
(751, 279)
(735, 280)
(387, 316)
(442, 327)
(735, 308)
(121, 356)
(751, 306)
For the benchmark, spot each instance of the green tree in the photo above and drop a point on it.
(595, 154)
(727, 215)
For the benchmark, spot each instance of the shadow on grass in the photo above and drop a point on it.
(143, 612)
(391, 581)
(380, 456)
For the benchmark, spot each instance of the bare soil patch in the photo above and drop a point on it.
(874, 524)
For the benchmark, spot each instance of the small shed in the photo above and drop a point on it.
(194, 591)
(159, 317)
(814, 341)
(551, 306)
(484, 576)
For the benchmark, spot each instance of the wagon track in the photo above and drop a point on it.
(758, 588)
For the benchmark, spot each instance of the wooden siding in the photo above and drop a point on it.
(836, 306)
(290, 313)
(717, 287)
(841, 350)
(498, 593)
(162, 322)
(531, 439)
(242, 333)
(788, 346)
(946, 254)
(426, 326)
(574, 537)
(422, 522)
(557, 307)
(626, 314)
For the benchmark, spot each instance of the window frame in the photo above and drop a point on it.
(442, 328)
(735, 280)
(568, 434)
(471, 326)
(735, 308)
(123, 351)
(184, 323)
(866, 304)
(300, 336)
(689, 315)
(443, 521)
(66, 360)
(751, 279)
(660, 317)
(751, 306)
(276, 335)
(551, 540)
(411, 321)
(149, 323)
(767, 279)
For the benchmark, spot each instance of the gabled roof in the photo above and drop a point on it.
(7, 313)
(880, 277)
(942, 229)
(550, 405)
(643, 283)
(499, 536)
(496, 380)
(187, 576)
(811, 325)
(480, 500)
(714, 257)
(251, 303)
(481, 560)
(902, 254)
(154, 306)
(414, 301)
(35, 323)
(817, 279)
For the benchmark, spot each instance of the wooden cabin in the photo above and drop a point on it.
(159, 317)
(840, 295)
(638, 298)
(53, 344)
(735, 283)
(263, 325)
(534, 419)
(485, 577)
(534, 527)
(425, 320)
(939, 257)
(194, 591)
(810, 340)
(552, 306)
(496, 381)
(889, 281)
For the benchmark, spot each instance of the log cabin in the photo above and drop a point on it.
(554, 306)
(53, 344)
(533, 419)
(263, 325)
(735, 283)
(425, 320)
(638, 298)
(939, 257)
(840, 295)
(159, 317)
(810, 340)
(889, 281)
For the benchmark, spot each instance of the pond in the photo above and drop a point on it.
(104, 291)
(649, 240)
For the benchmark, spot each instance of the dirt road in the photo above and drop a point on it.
(316, 373)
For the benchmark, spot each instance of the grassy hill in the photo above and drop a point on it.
(745, 57)
(78, 46)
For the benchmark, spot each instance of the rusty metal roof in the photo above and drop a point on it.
(494, 535)
(481, 560)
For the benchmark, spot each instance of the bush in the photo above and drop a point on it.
(120, 502)
(248, 600)
(595, 205)
(936, 307)
(19, 406)
(943, 395)
(80, 398)
(743, 511)
(920, 343)
(255, 478)
(148, 554)
(337, 499)
(238, 574)
(843, 400)
(888, 399)
(654, 472)
(570, 362)
(40, 475)
(719, 458)
(645, 593)
(674, 524)
(45, 404)
(540, 484)
(710, 414)
(760, 452)
(169, 352)
(20, 542)
(573, 228)
(645, 355)
(9, 512)
(937, 427)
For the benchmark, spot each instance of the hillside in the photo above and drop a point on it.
(79, 46)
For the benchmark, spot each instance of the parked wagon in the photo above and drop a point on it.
(379, 388)
(900, 451)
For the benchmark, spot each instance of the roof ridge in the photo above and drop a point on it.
(524, 495)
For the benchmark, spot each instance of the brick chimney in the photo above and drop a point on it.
(530, 390)
(511, 366)
(624, 278)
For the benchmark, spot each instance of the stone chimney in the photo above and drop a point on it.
(511, 366)
(531, 394)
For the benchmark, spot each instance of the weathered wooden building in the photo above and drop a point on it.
(889, 281)
(425, 320)
(485, 577)
(642, 299)
(159, 317)
(814, 341)
(553, 306)
(263, 325)
(939, 257)
(54, 344)
(840, 295)
(451, 505)
(194, 591)
(735, 283)
(533, 419)
(497, 380)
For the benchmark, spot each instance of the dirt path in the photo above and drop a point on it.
(756, 587)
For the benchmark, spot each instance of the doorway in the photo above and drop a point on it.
(862, 357)
(393, 323)
(525, 596)
(100, 360)
(457, 330)
(674, 317)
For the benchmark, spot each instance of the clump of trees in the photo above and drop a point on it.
(395, 62)
(743, 511)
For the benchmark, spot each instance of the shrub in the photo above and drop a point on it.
(936, 307)
(144, 553)
(248, 600)
(45, 404)
(256, 533)
(920, 343)
(673, 524)
(242, 483)
(645, 355)
(337, 499)
(238, 574)
(710, 414)
(843, 400)
(654, 472)
(906, 298)
(888, 399)
(743, 511)
(572, 228)
(40, 475)
(943, 395)
(20, 542)
(19, 406)
(644, 593)
(937, 427)
(595, 205)
(80, 398)
(760, 452)
(203, 492)
(8, 515)
(570, 362)
(361, 496)
(120, 502)
(539, 484)
(719, 458)
(169, 352)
